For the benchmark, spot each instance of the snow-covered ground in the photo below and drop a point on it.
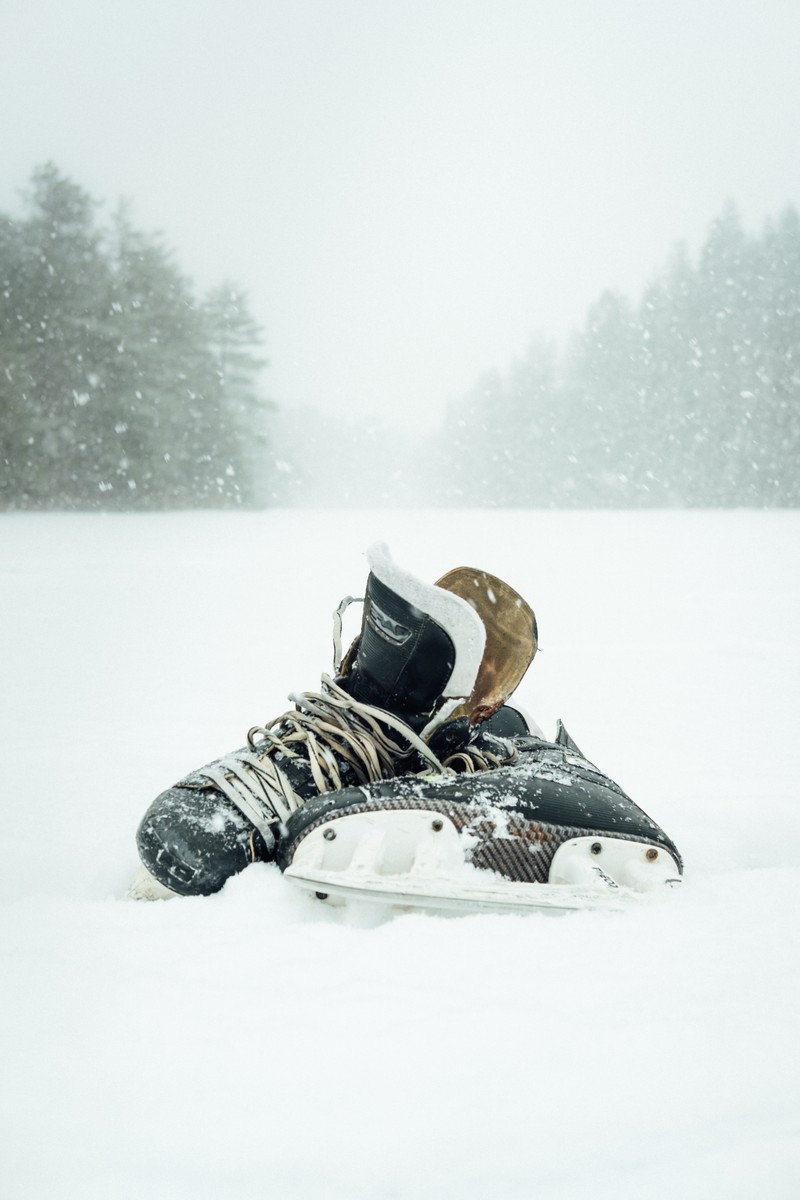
(256, 1043)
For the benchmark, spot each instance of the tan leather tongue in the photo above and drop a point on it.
(511, 638)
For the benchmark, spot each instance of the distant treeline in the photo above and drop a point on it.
(118, 388)
(690, 398)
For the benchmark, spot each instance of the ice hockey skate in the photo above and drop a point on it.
(416, 660)
(409, 779)
(535, 825)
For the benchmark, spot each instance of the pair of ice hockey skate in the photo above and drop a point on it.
(408, 777)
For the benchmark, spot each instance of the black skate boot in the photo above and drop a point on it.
(415, 662)
(544, 829)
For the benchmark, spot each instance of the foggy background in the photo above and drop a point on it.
(451, 230)
(500, 257)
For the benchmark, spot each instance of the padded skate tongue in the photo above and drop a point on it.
(511, 638)
(419, 646)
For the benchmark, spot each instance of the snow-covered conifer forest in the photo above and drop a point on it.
(120, 388)
(123, 389)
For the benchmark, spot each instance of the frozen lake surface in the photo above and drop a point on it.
(255, 1043)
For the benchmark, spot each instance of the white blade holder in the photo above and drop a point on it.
(415, 857)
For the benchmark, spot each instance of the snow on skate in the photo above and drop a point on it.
(410, 779)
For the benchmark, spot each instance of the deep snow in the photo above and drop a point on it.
(255, 1043)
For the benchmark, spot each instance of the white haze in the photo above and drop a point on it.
(409, 190)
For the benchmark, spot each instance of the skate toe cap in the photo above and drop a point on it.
(193, 839)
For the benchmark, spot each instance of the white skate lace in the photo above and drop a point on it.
(471, 760)
(326, 729)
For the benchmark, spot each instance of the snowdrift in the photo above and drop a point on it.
(254, 1043)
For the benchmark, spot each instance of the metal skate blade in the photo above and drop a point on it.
(415, 858)
(443, 894)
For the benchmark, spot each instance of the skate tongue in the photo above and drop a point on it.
(419, 648)
(429, 652)
(511, 638)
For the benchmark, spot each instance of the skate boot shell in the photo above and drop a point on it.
(417, 658)
(548, 830)
(409, 779)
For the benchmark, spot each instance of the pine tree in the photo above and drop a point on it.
(118, 389)
(529, 426)
(719, 423)
(232, 335)
(163, 374)
(691, 398)
(667, 380)
(602, 406)
(775, 396)
(53, 299)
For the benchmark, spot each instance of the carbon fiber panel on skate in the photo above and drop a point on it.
(549, 792)
(512, 819)
(517, 849)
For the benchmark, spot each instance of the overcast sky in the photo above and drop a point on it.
(409, 189)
